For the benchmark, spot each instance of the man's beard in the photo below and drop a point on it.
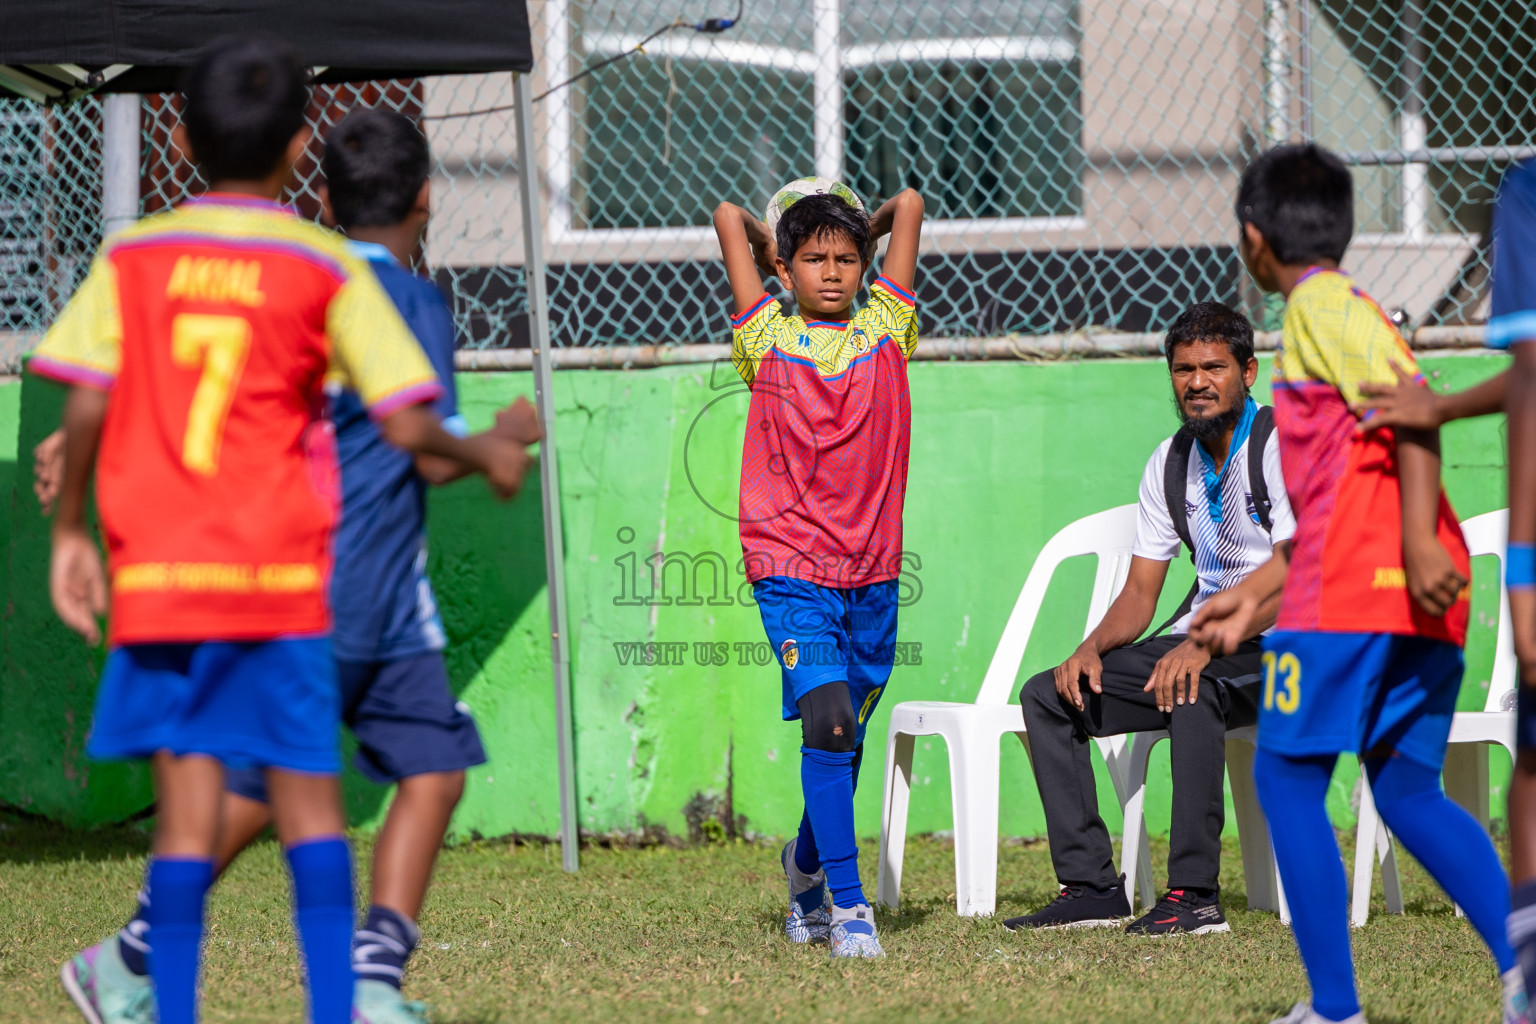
(1209, 428)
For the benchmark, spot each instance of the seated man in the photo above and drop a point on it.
(1211, 485)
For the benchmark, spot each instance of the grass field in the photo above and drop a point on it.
(671, 935)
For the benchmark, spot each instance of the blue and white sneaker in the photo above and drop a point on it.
(853, 932)
(1517, 1009)
(808, 919)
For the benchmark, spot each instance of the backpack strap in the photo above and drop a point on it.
(1176, 485)
(1175, 488)
(1258, 440)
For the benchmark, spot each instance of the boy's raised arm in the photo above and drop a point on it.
(1433, 580)
(901, 217)
(748, 251)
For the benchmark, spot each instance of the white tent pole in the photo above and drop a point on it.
(119, 161)
(549, 476)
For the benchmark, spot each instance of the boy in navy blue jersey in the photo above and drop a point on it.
(387, 637)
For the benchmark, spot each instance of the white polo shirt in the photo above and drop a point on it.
(1228, 548)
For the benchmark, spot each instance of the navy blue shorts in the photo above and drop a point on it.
(1525, 716)
(406, 720)
(1328, 693)
(272, 703)
(830, 634)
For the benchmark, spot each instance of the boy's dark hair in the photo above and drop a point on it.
(1302, 200)
(245, 100)
(375, 164)
(1211, 321)
(817, 217)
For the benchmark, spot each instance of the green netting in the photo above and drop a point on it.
(1078, 159)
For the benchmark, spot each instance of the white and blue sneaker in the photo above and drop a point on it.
(808, 919)
(1302, 1013)
(1517, 1008)
(853, 932)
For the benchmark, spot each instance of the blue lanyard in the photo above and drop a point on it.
(1211, 472)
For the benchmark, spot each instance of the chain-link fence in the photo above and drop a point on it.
(1078, 159)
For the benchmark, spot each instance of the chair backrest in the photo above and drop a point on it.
(1109, 535)
(1488, 534)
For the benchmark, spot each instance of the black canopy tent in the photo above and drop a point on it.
(63, 49)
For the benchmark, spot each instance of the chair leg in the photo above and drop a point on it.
(893, 817)
(1365, 856)
(1466, 781)
(1252, 829)
(1373, 843)
(973, 767)
(1135, 858)
(1466, 778)
(1391, 880)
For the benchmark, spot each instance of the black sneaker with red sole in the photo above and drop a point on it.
(1078, 906)
(1182, 912)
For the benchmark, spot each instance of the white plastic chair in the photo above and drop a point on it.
(1259, 871)
(973, 732)
(1472, 733)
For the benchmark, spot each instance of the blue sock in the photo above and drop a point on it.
(322, 912)
(1450, 844)
(1292, 792)
(133, 937)
(180, 885)
(807, 856)
(1522, 930)
(383, 945)
(826, 778)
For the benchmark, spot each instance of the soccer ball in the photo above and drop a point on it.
(811, 185)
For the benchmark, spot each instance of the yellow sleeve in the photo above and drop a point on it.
(1345, 343)
(85, 344)
(372, 350)
(891, 310)
(753, 335)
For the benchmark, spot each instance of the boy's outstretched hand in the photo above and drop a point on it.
(506, 464)
(519, 422)
(1407, 403)
(1433, 580)
(1224, 621)
(77, 582)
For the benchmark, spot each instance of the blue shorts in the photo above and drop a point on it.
(1331, 693)
(406, 720)
(830, 634)
(272, 703)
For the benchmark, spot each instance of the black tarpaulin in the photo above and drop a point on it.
(142, 45)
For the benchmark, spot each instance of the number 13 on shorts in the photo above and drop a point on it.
(218, 345)
(1282, 682)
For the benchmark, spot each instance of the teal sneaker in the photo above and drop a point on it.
(808, 919)
(379, 1002)
(853, 933)
(105, 991)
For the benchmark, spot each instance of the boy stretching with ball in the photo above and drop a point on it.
(823, 478)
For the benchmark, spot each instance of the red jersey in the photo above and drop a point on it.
(1346, 572)
(824, 463)
(214, 328)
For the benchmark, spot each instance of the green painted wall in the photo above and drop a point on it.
(1003, 455)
